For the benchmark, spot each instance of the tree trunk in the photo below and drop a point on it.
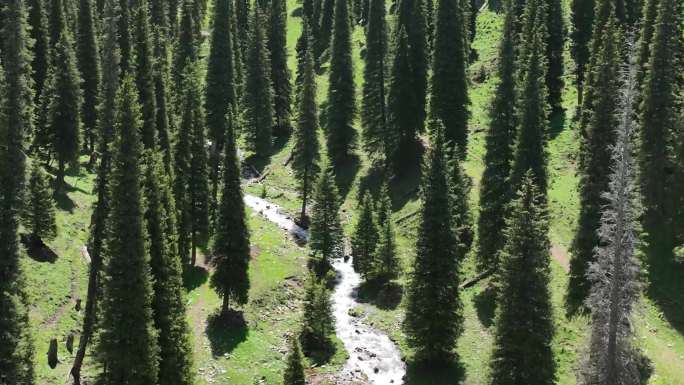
(53, 360)
(88, 318)
(194, 249)
(302, 216)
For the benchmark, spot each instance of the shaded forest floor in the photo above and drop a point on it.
(250, 348)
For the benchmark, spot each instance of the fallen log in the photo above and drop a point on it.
(473, 281)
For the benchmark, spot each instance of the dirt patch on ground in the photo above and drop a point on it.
(561, 255)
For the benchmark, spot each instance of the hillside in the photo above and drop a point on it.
(253, 351)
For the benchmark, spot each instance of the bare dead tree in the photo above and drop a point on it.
(614, 275)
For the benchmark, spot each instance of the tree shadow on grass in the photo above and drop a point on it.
(226, 331)
(485, 306)
(666, 282)
(345, 173)
(557, 124)
(255, 163)
(37, 250)
(320, 355)
(194, 277)
(403, 187)
(384, 295)
(448, 373)
(63, 201)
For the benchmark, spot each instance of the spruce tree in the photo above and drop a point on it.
(595, 159)
(231, 250)
(38, 22)
(532, 109)
(462, 220)
(324, 27)
(128, 339)
(340, 132)
(386, 265)
(303, 48)
(524, 321)
(242, 25)
(555, 43)
(159, 14)
(659, 113)
(39, 210)
(294, 371)
(582, 18)
(89, 67)
(198, 178)
(646, 37)
(64, 120)
(401, 138)
(162, 88)
(125, 36)
(365, 238)
(144, 74)
(219, 92)
(168, 304)
(317, 322)
(433, 309)
(612, 357)
(257, 100)
(56, 22)
(383, 206)
(374, 103)
(16, 343)
(280, 74)
(495, 191)
(326, 236)
(449, 85)
(411, 18)
(305, 151)
(191, 185)
(185, 50)
(106, 120)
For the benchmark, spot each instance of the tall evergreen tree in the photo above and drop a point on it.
(524, 322)
(365, 238)
(16, 109)
(582, 18)
(462, 220)
(37, 19)
(144, 74)
(89, 67)
(303, 48)
(64, 120)
(317, 322)
(612, 357)
(595, 159)
(402, 135)
(242, 25)
(39, 210)
(231, 248)
(646, 37)
(659, 113)
(168, 304)
(449, 84)
(341, 109)
(191, 187)
(433, 310)
(411, 18)
(305, 152)
(324, 27)
(162, 88)
(198, 178)
(495, 192)
(186, 48)
(159, 15)
(326, 239)
(294, 371)
(280, 74)
(56, 22)
(386, 264)
(106, 120)
(257, 100)
(374, 103)
(220, 93)
(555, 44)
(125, 36)
(530, 152)
(128, 339)
(383, 206)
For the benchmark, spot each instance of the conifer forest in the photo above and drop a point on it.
(342, 192)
